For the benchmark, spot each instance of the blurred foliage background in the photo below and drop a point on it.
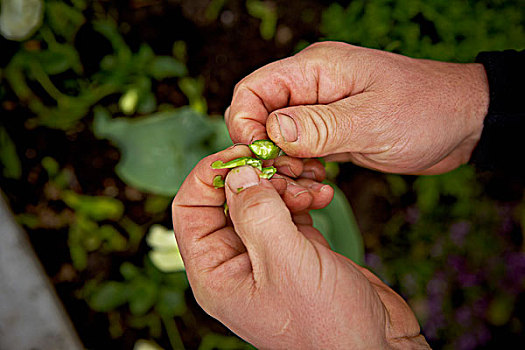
(106, 105)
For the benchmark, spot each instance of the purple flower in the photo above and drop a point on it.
(412, 215)
(464, 315)
(458, 232)
(515, 271)
(437, 286)
(466, 341)
(373, 261)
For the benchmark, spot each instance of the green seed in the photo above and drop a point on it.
(218, 181)
(265, 149)
(268, 172)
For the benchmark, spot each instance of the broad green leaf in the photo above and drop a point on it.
(338, 225)
(159, 150)
(96, 207)
(221, 136)
(9, 160)
(108, 296)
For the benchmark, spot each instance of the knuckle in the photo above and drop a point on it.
(261, 205)
(322, 130)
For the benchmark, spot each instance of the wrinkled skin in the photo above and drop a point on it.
(271, 277)
(377, 109)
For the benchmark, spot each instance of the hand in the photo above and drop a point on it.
(270, 276)
(377, 109)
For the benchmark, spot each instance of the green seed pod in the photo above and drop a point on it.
(265, 149)
(268, 172)
(218, 181)
(256, 163)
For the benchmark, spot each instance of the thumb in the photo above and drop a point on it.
(312, 130)
(262, 221)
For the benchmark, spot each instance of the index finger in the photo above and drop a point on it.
(198, 206)
(267, 89)
(303, 79)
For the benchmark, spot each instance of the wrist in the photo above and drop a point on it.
(482, 99)
(476, 99)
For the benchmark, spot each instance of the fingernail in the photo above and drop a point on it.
(309, 175)
(287, 127)
(295, 190)
(241, 178)
(316, 186)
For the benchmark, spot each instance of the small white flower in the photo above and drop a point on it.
(20, 18)
(164, 253)
(142, 344)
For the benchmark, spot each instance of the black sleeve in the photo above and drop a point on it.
(502, 143)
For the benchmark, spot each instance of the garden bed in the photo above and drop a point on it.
(451, 245)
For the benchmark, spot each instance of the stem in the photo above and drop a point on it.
(45, 82)
(173, 333)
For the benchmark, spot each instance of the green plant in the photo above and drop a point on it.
(153, 298)
(160, 149)
(85, 217)
(446, 246)
(51, 52)
(267, 13)
(437, 29)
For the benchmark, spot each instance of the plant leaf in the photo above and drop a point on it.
(108, 296)
(171, 302)
(338, 225)
(95, 207)
(166, 67)
(159, 150)
(143, 295)
(8, 156)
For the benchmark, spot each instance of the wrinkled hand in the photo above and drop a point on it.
(269, 275)
(377, 109)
